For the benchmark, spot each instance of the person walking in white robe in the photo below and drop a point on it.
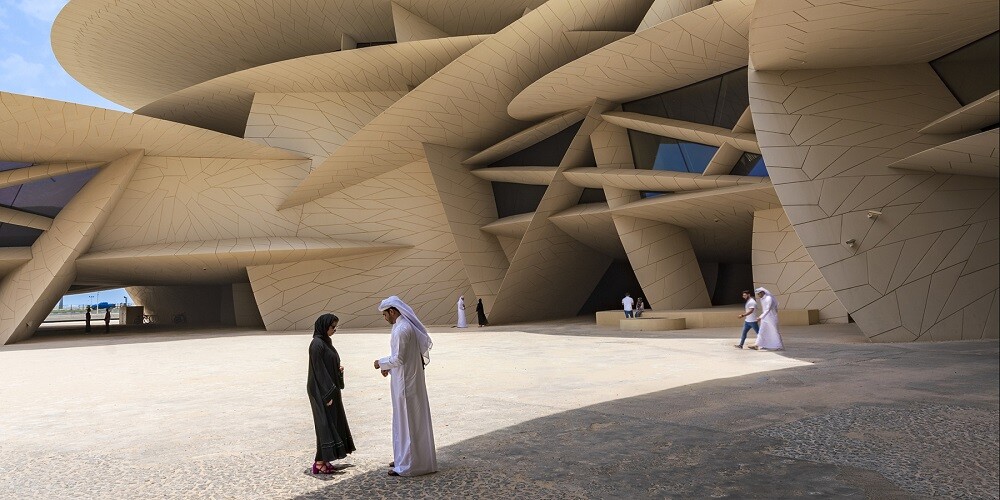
(461, 313)
(768, 338)
(412, 433)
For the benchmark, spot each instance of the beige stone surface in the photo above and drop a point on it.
(810, 34)
(223, 103)
(683, 50)
(904, 252)
(783, 266)
(137, 66)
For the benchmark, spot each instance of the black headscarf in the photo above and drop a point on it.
(322, 325)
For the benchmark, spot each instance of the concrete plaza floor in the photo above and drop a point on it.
(550, 410)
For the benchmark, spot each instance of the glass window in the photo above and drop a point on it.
(652, 194)
(46, 196)
(973, 71)
(654, 152)
(18, 236)
(515, 199)
(717, 101)
(546, 153)
(592, 195)
(751, 164)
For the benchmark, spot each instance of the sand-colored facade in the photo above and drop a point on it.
(321, 156)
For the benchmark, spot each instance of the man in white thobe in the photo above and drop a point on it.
(461, 313)
(412, 433)
(768, 337)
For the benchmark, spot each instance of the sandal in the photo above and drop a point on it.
(392, 464)
(319, 469)
(393, 473)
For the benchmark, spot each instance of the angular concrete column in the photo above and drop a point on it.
(468, 205)
(660, 254)
(29, 293)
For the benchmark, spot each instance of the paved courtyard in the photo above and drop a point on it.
(550, 410)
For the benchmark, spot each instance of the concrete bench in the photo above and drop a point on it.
(652, 324)
(717, 317)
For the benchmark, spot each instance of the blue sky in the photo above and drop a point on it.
(27, 64)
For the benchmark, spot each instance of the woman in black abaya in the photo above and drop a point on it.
(326, 379)
(481, 313)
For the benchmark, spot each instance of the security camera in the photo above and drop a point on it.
(851, 242)
(873, 214)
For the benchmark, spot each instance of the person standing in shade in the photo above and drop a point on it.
(640, 307)
(768, 338)
(86, 329)
(324, 383)
(749, 320)
(412, 432)
(627, 303)
(481, 313)
(107, 320)
(462, 323)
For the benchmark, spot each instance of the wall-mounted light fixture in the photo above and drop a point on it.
(851, 243)
(873, 214)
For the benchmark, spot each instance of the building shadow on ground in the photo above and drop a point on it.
(887, 422)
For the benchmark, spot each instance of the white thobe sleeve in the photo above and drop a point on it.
(397, 350)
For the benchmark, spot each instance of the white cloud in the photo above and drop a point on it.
(15, 69)
(43, 10)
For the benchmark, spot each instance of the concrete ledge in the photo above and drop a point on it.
(716, 317)
(647, 324)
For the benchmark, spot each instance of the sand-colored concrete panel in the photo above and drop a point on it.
(22, 218)
(592, 225)
(811, 35)
(410, 27)
(172, 200)
(313, 124)
(30, 292)
(223, 104)
(464, 106)
(977, 155)
(972, 117)
(468, 204)
(781, 265)
(401, 207)
(686, 49)
(663, 10)
(875, 231)
(39, 130)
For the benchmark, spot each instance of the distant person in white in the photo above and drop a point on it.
(768, 338)
(412, 433)
(749, 319)
(627, 303)
(461, 313)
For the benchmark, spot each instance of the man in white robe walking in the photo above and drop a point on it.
(768, 337)
(412, 433)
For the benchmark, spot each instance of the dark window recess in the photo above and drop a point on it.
(47, 196)
(652, 194)
(607, 295)
(547, 153)
(751, 164)
(362, 45)
(12, 165)
(18, 236)
(973, 71)
(592, 195)
(655, 152)
(718, 101)
(515, 199)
